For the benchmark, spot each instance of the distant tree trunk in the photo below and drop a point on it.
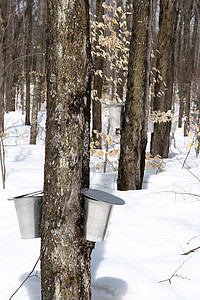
(179, 71)
(179, 67)
(65, 255)
(3, 22)
(187, 62)
(23, 81)
(98, 84)
(134, 129)
(17, 20)
(39, 71)
(28, 61)
(8, 57)
(165, 75)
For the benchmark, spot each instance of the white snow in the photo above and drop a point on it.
(146, 237)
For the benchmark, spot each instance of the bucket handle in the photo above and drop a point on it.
(27, 195)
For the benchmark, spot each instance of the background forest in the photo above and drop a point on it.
(173, 78)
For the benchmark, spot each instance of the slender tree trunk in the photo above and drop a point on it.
(3, 22)
(28, 61)
(23, 79)
(39, 71)
(178, 67)
(189, 63)
(8, 57)
(134, 129)
(17, 20)
(165, 75)
(65, 255)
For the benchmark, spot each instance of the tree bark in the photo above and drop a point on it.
(165, 75)
(134, 129)
(65, 255)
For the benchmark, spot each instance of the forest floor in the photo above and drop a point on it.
(152, 247)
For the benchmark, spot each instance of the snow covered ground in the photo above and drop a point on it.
(142, 256)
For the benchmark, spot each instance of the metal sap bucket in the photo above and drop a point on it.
(98, 206)
(29, 213)
(150, 127)
(115, 112)
(173, 126)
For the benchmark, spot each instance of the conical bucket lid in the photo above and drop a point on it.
(102, 196)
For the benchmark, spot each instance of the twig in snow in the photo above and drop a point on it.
(188, 154)
(190, 251)
(175, 274)
(179, 193)
(29, 275)
(194, 237)
(186, 167)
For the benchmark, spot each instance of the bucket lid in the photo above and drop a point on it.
(102, 196)
(27, 195)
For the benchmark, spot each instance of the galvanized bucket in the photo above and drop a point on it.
(150, 127)
(115, 113)
(29, 213)
(98, 206)
(173, 126)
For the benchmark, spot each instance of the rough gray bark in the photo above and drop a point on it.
(65, 255)
(134, 129)
(164, 85)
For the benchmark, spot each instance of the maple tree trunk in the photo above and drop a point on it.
(134, 129)
(165, 75)
(65, 255)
